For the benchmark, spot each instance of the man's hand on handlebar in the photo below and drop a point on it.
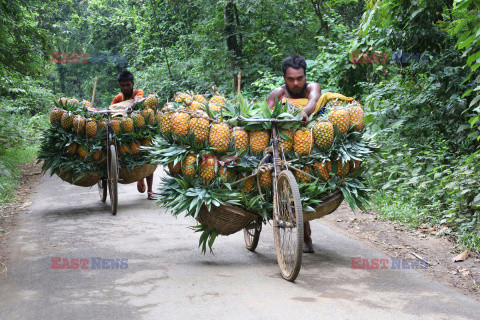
(304, 118)
(129, 109)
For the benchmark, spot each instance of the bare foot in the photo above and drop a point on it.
(308, 247)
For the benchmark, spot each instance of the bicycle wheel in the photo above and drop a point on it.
(251, 234)
(102, 189)
(113, 178)
(288, 226)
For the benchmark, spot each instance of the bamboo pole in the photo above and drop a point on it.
(94, 89)
(239, 82)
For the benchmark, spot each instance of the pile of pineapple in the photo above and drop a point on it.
(213, 159)
(74, 147)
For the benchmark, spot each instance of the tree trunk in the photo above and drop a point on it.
(233, 47)
(319, 11)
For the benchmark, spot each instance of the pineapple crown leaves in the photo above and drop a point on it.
(180, 195)
(162, 152)
(207, 237)
(356, 194)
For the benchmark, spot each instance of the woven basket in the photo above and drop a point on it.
(329, 204)
(87, 180)
(125, 176)
(225, 220)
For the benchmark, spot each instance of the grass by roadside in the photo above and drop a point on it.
(393, 207)
(10, 170)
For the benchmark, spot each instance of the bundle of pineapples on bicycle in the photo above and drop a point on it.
(74, 147)
(212, 159)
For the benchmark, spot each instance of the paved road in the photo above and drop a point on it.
(165, 276)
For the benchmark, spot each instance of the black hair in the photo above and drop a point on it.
(125, 76)
(296, 62)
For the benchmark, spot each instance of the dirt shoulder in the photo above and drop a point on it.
(10, 213)
(400, 242)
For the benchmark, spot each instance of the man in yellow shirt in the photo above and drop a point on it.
(295, 88)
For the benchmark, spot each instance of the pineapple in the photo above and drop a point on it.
(324, 169)
(357, 117)
(145, 142)
(339, 117)
(72, 148)
(56, 115)
(200, 98)
(62, 101)
(215, 107)
(354, 164)
(303, 177)
(127, 124)
(82, 152)
(151, 101)
(249, 183)
(240, 139)
(195, 106)
(174, 169)
(287, 145)
(91, 128)
(323, 134)
(102, 125)
(302, 141)
(180, 123)
(67, 120)
(166, 120)
(227, 174)
(220, 137)
(116, 124)
(85, 103)
(78, 124)
(123, 149)
(158, 116)
(188, 165)
(259, 141)
(342, 168)
(199, 126)
(218, 100)
(149, 115)
(134, 148)
(96, 155)
(183, 97)
(72, 101)
(139, 120)
(265, 179)
(208, 169)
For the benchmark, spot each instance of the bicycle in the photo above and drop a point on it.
(287, 208)
(109, 182)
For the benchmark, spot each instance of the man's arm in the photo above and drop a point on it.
(314, 95)
(117, 99)
(275, 95)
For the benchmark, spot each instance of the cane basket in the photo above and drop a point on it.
(128, 176)
(329, 204)
(225, 219)
(84, 180)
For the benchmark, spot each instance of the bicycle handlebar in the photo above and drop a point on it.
(241, 118)
(104, 111)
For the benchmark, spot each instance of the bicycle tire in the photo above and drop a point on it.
(288, 226)
(113, 179)
(251, 236)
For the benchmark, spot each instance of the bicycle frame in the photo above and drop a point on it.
(279, 160)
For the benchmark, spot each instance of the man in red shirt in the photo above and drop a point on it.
(125, 79)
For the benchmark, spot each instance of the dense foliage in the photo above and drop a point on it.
(424, 94)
